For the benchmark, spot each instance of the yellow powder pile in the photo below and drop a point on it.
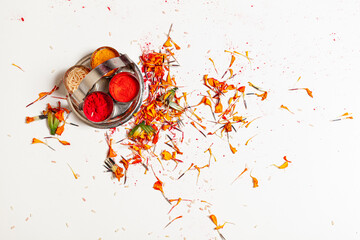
(102, 55)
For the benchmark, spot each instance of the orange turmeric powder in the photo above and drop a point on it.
(101, 55)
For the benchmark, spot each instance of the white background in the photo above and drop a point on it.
(316, 197)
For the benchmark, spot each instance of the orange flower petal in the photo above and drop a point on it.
(29, 119)
(233, 150)
(213, 64)
(240, 174)
(168, 43)
(166, 155)
(232, 60)
(111, 153)
(309, 92)
(75, 176)
(118, 173)
(175, 45)
(286, 159)
(286, 108)
(158, 185)
(213, 219)
(247, 142)
(282, 166)
(218, 107)
(60, 130)
(255, 182)
(263, 96)
(60, 115)
(63, 142)
(35, 140)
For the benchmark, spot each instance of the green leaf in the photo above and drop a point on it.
(147, 128)
(139, 128)
(132, 132)
(171, 96)
(175, 106)
(53, 123)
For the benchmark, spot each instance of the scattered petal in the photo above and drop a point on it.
(18, 67)
(233, 150)
(282, 166)
(286, 108)
(75, 175)
(240, 174)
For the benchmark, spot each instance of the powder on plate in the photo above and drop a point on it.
(98, 106)
(101, 55)
(123, 87)
(74, 76)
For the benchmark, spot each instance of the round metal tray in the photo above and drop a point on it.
(122, 112)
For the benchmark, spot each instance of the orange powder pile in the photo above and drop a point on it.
(123, 87)
(102, 55)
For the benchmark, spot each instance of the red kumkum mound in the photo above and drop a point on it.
(98, 106)
(123, 87)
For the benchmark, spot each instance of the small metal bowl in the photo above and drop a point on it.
(122, 112)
